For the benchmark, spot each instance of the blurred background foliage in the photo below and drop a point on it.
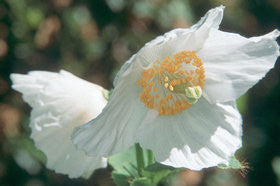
(92, 39)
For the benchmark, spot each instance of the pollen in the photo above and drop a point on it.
(171, 88)
(172, 84)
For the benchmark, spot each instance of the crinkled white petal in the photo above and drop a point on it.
(175, 41)
(60, 102)
(178, 40)
(233, 63)
(114, 130)
(202, 136)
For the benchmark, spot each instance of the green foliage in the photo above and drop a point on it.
(120, 179)
(232, 164)
(158, 172)
(125, 163)
(126, 168)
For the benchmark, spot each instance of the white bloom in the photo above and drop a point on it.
(176, 96)
(60, 102)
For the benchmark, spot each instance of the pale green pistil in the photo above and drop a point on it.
(193, 94)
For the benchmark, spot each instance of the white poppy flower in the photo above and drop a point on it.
(176, 96)
(60, 102)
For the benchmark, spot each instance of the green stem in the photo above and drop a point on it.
(151, 158)
(139, 159)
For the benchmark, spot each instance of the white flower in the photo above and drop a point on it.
(176, 96)
(60, 102)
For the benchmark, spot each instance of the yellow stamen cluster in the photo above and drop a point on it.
(163, 85)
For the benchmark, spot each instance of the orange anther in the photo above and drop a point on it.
(175, 72)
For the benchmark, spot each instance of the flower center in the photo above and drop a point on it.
(173, 84)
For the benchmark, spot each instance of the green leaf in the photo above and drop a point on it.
(127, 172)
(120, 179)
(158, 172)
(142, 182)
(125, 163)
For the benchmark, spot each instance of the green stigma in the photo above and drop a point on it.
(193, 94)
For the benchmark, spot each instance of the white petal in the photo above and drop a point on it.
(204, 135)
(60, 102)
(114, 129)
(212, 19)
(176, 41)
(233, 63)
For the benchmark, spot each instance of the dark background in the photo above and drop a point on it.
(92, 39)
